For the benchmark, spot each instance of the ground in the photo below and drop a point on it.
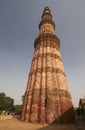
(14, 124)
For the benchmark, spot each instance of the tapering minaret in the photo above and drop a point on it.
(47, 97)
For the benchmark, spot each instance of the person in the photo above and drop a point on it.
(14, 116)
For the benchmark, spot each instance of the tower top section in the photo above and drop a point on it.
(46, 18)
(47, 29)
(46, 13)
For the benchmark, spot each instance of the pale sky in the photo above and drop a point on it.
(19, 20)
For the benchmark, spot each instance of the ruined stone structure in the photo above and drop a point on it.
(47, 98)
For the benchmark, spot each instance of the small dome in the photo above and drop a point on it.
(46, 10)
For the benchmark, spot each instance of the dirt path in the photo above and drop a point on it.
(17, 125)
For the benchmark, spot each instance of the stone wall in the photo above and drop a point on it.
(5, 117)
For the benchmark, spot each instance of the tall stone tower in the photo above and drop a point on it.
(47, 98)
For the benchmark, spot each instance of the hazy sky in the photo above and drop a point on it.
(19, 20)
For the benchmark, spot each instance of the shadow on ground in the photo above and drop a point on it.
(67, 122)
(77, 126)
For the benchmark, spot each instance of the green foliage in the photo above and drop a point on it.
(18, 109)
(6, 103)
(23, 96)
(2, 94)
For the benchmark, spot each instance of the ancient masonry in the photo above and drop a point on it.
(47, 98)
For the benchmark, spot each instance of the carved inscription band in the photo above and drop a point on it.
(46, 13)
(45, 37)
(47, 69)
(54, 92)
(46, 21)
(47, 54)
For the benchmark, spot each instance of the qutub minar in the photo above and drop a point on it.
(47, 97)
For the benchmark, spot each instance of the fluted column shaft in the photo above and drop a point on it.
(47, 97)
(36, 89)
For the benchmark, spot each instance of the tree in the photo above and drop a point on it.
(23, 96)
(6, 103)
(18, 109)
(2, 94)
(2, 103)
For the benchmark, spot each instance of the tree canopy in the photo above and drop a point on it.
(6, 103)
